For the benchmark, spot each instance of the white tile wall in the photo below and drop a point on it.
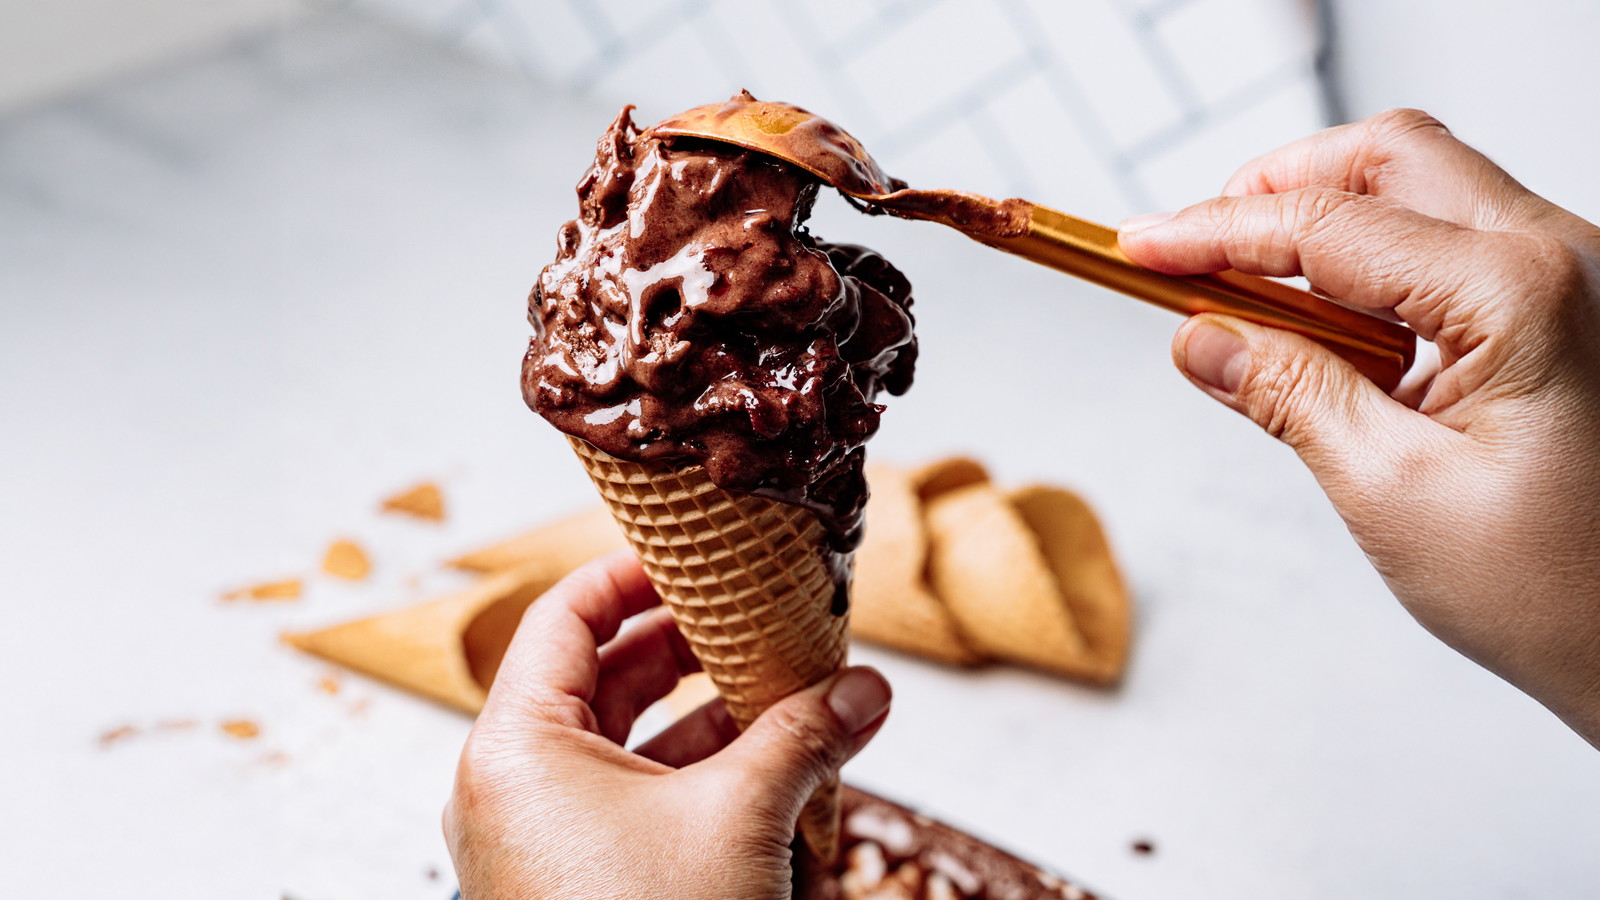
(1100, 107)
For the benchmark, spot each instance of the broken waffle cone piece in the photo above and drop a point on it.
(346, 559)
(284, 589)
(560, 546)
(890, 602)
(1075, 547)
(987, 566)
(425, 501)
(945, 475)
(447, 650)
(745, 581)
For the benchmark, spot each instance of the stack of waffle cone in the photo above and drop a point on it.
(745, 579)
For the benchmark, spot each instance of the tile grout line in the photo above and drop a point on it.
(584, 77)
(1079, 111)
(1002, 151)
(892, 17)
(974, 95)
(1160, 58)
(839, 83)
(1234, 103)
(595, 20)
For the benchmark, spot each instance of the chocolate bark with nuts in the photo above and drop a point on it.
(893, 853)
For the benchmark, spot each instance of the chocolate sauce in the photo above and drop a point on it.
(975, 214)
(690, 319)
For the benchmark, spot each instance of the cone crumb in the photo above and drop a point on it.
(425, 501)
(241, 729)
(286, 589)
(346, 559)
(114, 736)
(329, 683)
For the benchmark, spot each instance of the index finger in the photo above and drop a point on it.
(1404, 155)
(552, 666)
(1368, 252)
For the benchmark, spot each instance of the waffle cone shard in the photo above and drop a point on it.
(745, 580)
(987, 566)
(447, 650)
(560, 546)
(891, 604)
(1074, 546)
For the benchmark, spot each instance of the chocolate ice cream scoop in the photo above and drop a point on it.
(691, 319)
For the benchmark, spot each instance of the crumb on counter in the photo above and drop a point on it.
(345, 559)
(424, 501)
(241, 729)
(330, 683)
(285, 589)
(112, 737)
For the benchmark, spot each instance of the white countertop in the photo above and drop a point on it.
(244, 296)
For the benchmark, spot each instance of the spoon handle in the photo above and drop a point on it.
(1382, 351)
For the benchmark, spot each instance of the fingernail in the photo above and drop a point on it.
(1215, 356)
(859, 698)
(1148, 220)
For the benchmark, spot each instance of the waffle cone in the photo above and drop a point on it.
(745, 581)
(448, 649)
(891, 604)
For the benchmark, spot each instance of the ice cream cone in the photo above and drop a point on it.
(447, 650)
(745, 580)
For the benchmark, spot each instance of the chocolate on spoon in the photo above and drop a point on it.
(1381, 350)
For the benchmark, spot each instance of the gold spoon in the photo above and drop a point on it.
(1381, 350)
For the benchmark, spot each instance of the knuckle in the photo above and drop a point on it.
(475, 781)
(1315, 204)
(811, 739)
(1326, 217)
(1275, 393)
(558, 708)
(1537, 278)
(1562, 272)
(1404, 122)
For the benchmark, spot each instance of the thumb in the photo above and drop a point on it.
(1294, 388)
(800, 742)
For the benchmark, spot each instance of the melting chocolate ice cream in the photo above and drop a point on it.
(691, 319)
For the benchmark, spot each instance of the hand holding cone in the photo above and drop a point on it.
(953, 569)
(745, 581)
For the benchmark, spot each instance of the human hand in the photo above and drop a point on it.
(1475, 488)
(548, 803)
